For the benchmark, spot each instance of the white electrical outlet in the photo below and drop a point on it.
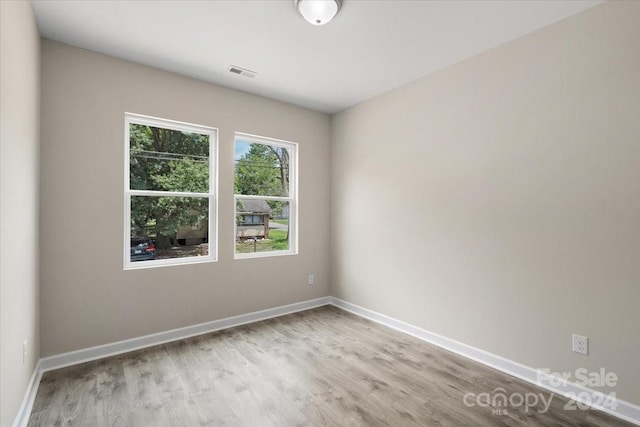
(24, 352)
(310, 279)
(580, 344)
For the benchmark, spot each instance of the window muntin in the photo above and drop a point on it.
(265, 196)
(169, 192)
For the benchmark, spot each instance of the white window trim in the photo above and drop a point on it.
(292, 198)
(132, 118)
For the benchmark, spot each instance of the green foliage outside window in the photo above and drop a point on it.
(167, 160)
(263, 170)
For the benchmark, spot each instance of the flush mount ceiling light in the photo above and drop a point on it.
(318, 12)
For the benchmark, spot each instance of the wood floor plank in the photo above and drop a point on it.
(321, 367)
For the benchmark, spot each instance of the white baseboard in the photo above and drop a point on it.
(623, 410)
(98, 352)
(29, 397)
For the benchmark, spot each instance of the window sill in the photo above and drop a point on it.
(139, 265)
(270, 254)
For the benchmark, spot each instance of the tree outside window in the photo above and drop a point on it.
(265, 188)
(169, 190)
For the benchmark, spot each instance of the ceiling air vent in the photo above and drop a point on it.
(242, 71)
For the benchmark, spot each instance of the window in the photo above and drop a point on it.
(265, 196)
(252, 219)
(170, 201)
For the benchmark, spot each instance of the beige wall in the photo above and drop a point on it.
(19, 151)
(497, 202)
(87, 298)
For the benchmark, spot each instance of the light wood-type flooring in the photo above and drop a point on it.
(315, 368)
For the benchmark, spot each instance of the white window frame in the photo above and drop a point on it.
(292, 198)
(132, 118)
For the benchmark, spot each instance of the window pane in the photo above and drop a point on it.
(168, 160)
(261, 225)
(261, 170)
(168, 227)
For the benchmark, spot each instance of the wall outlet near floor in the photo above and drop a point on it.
(580, 344)
(24, 352)
(310, 279)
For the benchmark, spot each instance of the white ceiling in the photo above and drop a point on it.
(369, 48)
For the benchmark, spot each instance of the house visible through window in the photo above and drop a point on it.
(265, 199)
(169, 192)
